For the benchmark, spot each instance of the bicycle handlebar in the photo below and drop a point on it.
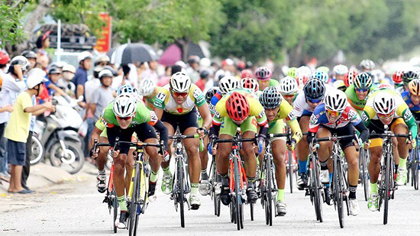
(131, 144)
(382, 135)
(334, 138)
(235, 140)
(184, 136)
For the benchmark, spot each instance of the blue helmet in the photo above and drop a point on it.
(321, 75)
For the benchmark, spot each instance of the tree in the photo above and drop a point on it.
(11, 27)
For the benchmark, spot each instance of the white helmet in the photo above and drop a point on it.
(21, 61)
(84, 55)
(383, 103)
(336, 100)
(125, 105)
(303, 71)
(180, 82)
(228, 83)
(288, 86)
(147, 87)
(35, 77)
(340, 69)
(106, 72)
(367, 64)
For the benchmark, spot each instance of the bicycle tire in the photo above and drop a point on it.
(181, 197)
(237, 205)
(338, 186)
(290, 171)
(134, 201)
(317, 190)
(251, 209)
(388, 177)
(269, 191)
(115, 210)
(415, 168)
(365, 178)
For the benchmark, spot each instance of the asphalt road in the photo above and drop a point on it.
(76, 208)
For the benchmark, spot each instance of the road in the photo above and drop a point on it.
(75, 208)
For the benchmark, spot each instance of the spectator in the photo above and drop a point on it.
(31, 56)
(102, 61)
(164, 80)
(151, 73)
(204, 77)
(121, 80)
(92, 84)
(42, 43)
(80, 78)
(12, 86)
(54, 75)
(192, 69)
(65, 82)
(17, 130)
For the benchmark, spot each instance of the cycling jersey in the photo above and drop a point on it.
(301, 106)
(151, 100)
(272, 83)
(285, 112)
(166, 102)
(319, 117)
(354, 101)
(401, 110)
(415, 109)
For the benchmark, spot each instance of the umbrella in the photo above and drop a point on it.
(132, 53)
(173, 53)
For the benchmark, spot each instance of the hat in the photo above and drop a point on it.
(35, 77)
(54, 70)
(106, 72)
(84, 55)
(69, 68)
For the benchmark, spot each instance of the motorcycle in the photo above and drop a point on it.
(59, 135)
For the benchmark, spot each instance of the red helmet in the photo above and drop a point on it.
(263, 73)
(250, 83)
(349, 77)
(397, 76)
(237, 107)
(4, 57)
(246, 74)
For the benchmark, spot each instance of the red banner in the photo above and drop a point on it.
(103, 44)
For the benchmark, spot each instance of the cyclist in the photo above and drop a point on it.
(407, 77)
(303, 74)
(226, 84)
(412, 98)
(149, 90)
(289, 89)
(398, 81)
(321, 75)
(277, 109)
(303, 106)
(263, 75)
(335, 115)
(121, 118)
(250, 84)
(338, 73)
(239, 108)
(386, 107)
(349, 77)
(246, 74)
(291, 72)
(176, 106)
(359, 91)
(367, 65)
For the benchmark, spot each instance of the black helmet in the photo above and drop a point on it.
(210, 93)
(29, 54)
(270, 98)
(363, 81)
(314, 89)
(409, 76)
(54, 70)
(204, 74)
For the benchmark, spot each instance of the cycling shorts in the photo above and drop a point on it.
(378, 127)
(229, 127)
(184, 121)
(277, 127)
(144, 131)
(346, 130)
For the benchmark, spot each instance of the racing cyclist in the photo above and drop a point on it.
(263, 75)
(289, 89)
(149, 90)
(412, 98)
(359, 91)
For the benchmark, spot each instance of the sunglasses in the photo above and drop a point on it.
(124, 118)
(314, 100)
(179, 94)
(288, 96)
(361, 90)
(385, 116)
(333, 113)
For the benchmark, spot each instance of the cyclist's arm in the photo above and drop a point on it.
(96, 132)
(159, 104)
(163, 131)
(410, 122)
(297, 132)
(205, 114)
(313, 127)
(286, 111)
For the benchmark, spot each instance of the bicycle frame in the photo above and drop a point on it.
(242, 173)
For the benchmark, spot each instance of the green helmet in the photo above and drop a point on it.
(409, 76)
(292, 72)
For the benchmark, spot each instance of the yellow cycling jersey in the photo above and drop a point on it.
(166, 102)
(285, 113)
(255, 107)
(401, 106)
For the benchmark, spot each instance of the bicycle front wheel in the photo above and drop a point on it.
(388, 179)
(134, 203)
(290, 169)
(317, 188)
(415, 169)
(114, 210)
(180, 184)
(338, 195)
(237, 198)
(365, 179)
(269, 193)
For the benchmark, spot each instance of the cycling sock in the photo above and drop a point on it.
(280, 195)
(153, 177)
(352, 190)
(194, 188)
(101, 172)
(374, 188)
(324, 165)
(122, 203)
(302, 166)
(166, 171)
(395, 168)
(403, 164)
(331, 175)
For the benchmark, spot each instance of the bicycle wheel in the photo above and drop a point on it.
(134, 202)
(114, 210)
(317, 189)
(338, 194)
(237, 197)
(290, 169)
(37, 151)
(365, 179)
(269, 193)
(251, 208)
(415, 169)
(180, 184)
(388, 179)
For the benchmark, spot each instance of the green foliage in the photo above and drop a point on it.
(10, 27)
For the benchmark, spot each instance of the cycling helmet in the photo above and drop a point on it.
(314, 89)
(147, 87)
(320, 75)
(323, 69)
(336, 100)
(340, 69)
(246, 74)
(126, 89)
(288, 86)
(383, 103)
(367, 64)
(180, 82)
(22, 61)
(292, 72)
(204, 74)
(263, 73)
(414, 87)
(251, 84)
(228, 83)
(363, 81)
(124, 105)
(237, 107)
(409, 76)
(270, 98)
(303, 70)
(29, 54)
(397, 76)
(4, 57)
(210, 93)
(349, 77)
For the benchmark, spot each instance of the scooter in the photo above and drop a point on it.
(59, 135)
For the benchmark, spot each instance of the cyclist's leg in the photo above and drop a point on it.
(249, 129)
(100, 162)
(401, 128)
(324, 154)
(227, 131)
(203, 154)
(302, 152)
(353, 175)
(278, 147)
(374, 169)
